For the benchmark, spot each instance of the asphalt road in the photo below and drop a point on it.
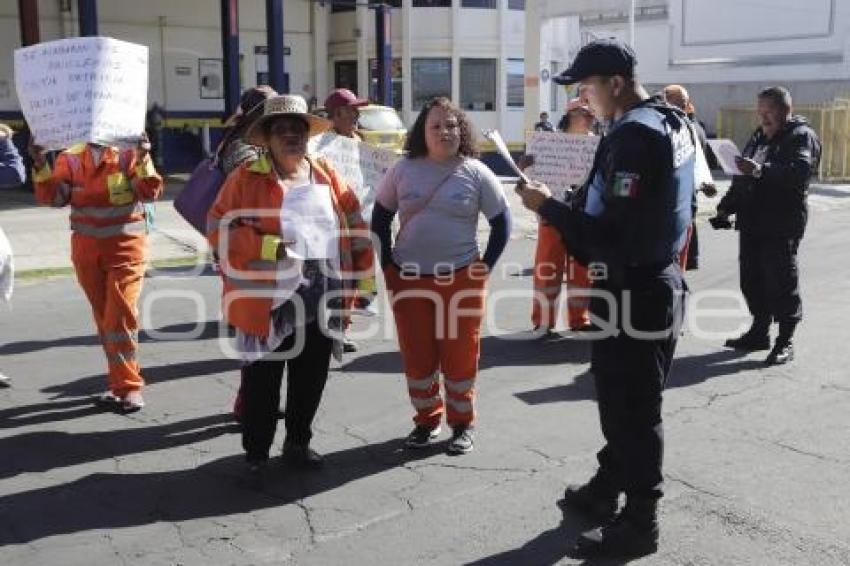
(756, 465)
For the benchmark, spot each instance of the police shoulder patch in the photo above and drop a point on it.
(625, 184)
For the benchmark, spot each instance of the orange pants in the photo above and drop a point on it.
(438, 322)
(683, 253)
(551, 264)
(111, 271)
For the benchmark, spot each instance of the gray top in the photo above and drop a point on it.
(441, 237)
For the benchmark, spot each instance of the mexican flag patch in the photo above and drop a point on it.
(626, 184)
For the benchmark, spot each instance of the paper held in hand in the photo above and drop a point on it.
(83, 89)
(726, 151)
(502, 148)
(561, 160)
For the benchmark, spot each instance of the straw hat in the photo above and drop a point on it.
(285, 105)
(578, 104)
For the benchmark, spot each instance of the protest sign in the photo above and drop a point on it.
(560, 160)
(360, 164)
(83, 89)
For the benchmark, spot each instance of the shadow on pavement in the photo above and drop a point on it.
(209, 329)
(51, 412)
(215, 489)
(496, 351)
(157, 374)
(549, 547)
(42, 451)
(687, 371)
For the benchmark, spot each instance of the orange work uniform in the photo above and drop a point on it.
(108, 242)
(551, 264)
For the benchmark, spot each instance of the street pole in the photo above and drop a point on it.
(384, 54)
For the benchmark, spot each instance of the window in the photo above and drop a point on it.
(431, 77)
(478, 4)
(516, 83)
(345, 75)
(432, 3)
(396, 81)
(342, 6)
(392, 3)
(516, 4)
(478, 84)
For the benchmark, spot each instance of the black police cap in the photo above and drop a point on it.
(604, 57)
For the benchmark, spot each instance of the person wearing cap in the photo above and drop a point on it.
(285, 291)
(435, 274)
(677, 95)
(552, 262)
(342, 107)
(631, 225)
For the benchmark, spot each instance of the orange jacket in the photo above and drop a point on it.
(106, 201)
(250, 263)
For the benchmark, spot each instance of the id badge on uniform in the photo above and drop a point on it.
(119, 189)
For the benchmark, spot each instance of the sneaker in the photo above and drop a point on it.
(107, 399)
(301, 456)
(597, 499)
(462, 441)
(750, 342)
(632, 534)
(542, 332)
(349, 346)
(132, 402)
(5, 381)
(782, 353)
(422, 436)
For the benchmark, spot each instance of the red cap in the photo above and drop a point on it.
(343, 97)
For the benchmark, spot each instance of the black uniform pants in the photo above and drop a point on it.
(630, 372)
(305, 382)
(770, 282)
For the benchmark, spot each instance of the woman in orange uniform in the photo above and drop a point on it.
(552, 262)
(107, 189)
(282, 287)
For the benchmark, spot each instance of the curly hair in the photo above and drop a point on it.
(415, 145)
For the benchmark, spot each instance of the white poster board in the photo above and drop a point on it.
(360, 164)
(560, 160)
(726, 151)
(83, 89)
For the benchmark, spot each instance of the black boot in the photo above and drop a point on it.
(301, 456)
(598, 499)
(632, 534)
(755, 339)
(782, 353)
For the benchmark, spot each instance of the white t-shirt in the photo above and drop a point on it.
(441, 237)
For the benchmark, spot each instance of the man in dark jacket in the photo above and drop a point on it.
(769, 202)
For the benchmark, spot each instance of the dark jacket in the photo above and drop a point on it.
(636, 206)
(775, 204)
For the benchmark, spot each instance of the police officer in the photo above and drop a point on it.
(769, 201)
(631, 225)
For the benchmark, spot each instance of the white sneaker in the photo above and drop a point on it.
(132, 402)
(5, 381)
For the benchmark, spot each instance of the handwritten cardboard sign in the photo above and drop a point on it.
(83, 89)
(560, 160)
(360, 164)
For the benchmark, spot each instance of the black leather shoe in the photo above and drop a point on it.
(749, 342)
(782, 353)
(301, 456)
(632, 534)
(596, 500)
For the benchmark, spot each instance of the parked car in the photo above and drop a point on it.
(381, 126)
